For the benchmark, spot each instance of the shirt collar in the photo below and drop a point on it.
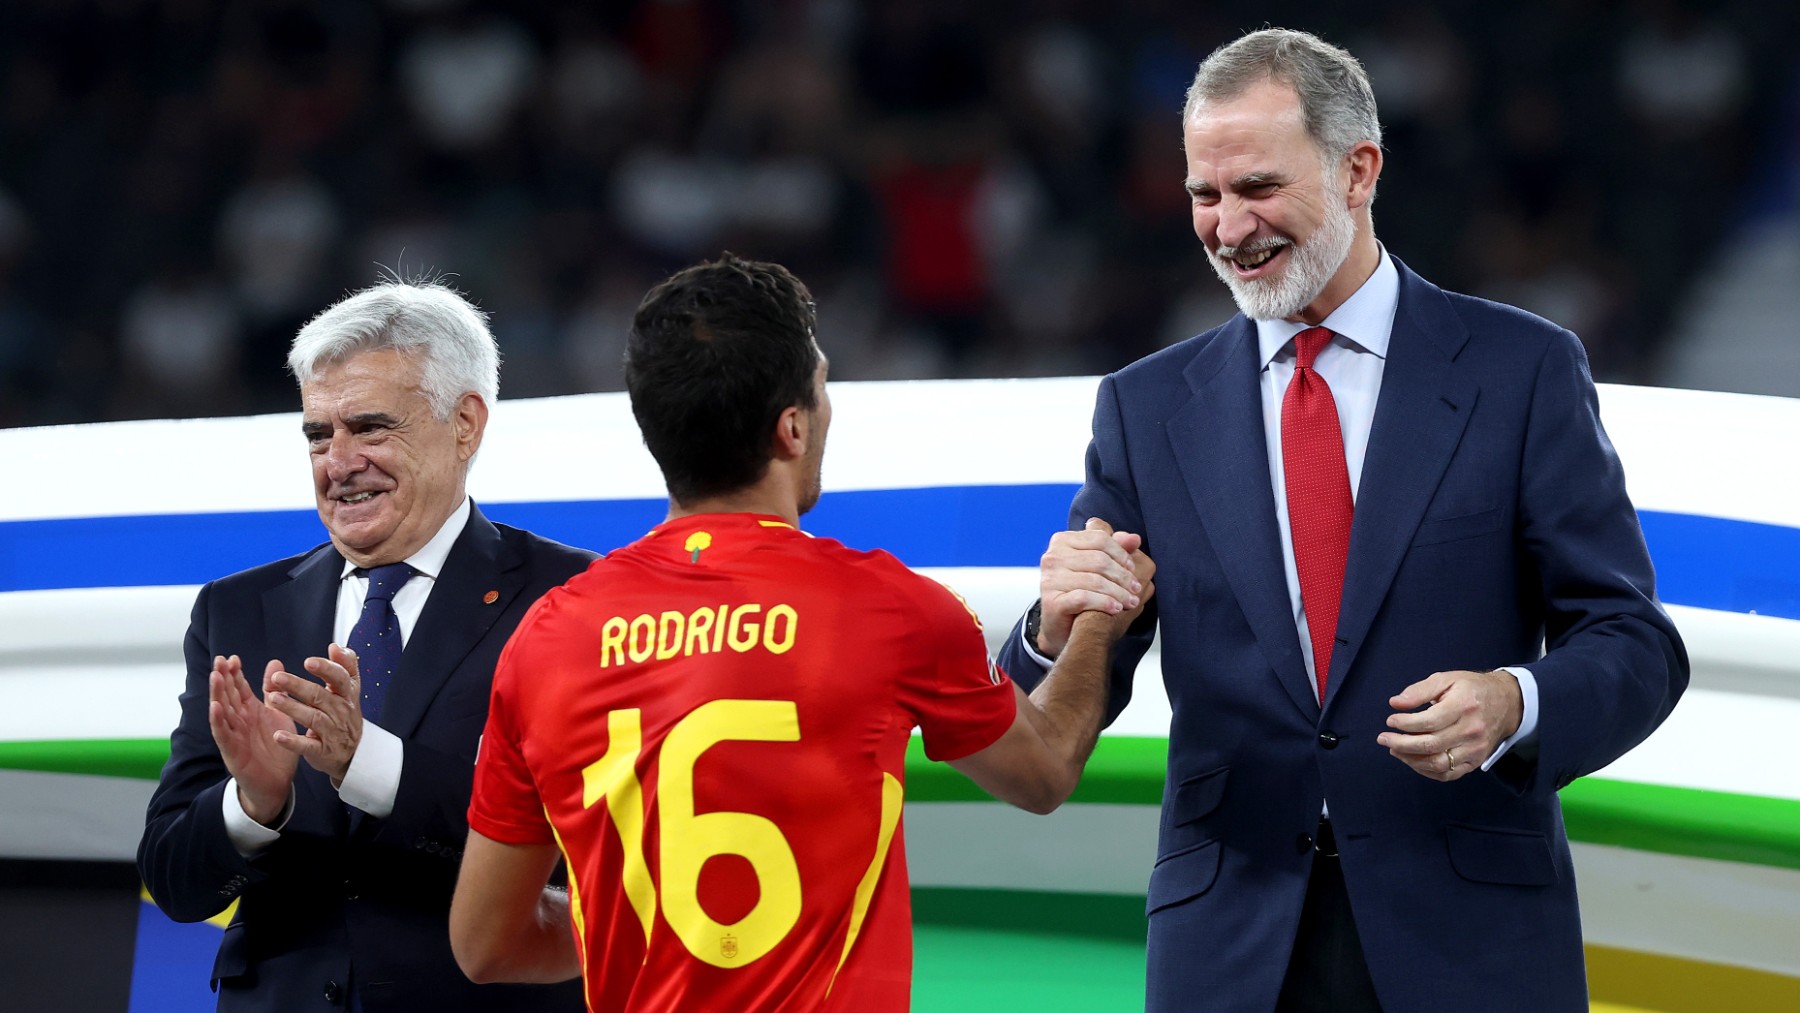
(739, 519)
(429, 560)
(1366, 318)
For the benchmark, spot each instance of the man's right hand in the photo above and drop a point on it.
(244, 729)
(1095, 569)
(1038, 762)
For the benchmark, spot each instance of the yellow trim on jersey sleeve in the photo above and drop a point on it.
(960, 600)
(575, 904)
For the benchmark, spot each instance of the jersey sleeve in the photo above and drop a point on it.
(959, 697)
(505, 805)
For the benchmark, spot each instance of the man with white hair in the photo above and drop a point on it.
(1404, 597)
(328, 797)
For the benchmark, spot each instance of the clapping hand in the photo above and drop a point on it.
(331, 713)
(246, 731)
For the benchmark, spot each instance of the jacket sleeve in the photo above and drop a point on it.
(184, 857)
(1108, 492)
(1614, 665)
(431, 807)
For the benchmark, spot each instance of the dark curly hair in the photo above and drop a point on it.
(716, 353)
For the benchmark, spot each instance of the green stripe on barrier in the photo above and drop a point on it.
(1645, 817)
(1089, 914)
(1684, 821)
(1123, 770)
(139, 758)
(1128, 770)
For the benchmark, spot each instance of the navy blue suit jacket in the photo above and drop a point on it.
(1491, 528)
(342, 894)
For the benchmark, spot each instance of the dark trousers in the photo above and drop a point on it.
(1327, 972)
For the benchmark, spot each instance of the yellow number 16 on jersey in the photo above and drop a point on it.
(688, 838)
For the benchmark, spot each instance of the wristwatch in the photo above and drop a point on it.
(1034, 621)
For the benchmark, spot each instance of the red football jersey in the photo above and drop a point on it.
(712, 724)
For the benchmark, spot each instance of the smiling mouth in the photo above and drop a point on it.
(1248, 261)
(358, 497)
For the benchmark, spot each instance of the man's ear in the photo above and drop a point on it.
(470, 421)
(791, 434)
(1364, 161)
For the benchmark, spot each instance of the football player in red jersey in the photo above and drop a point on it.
(710, 724)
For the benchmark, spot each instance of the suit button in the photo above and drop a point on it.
(334, 993)
(1303, 843)
(1328, 740)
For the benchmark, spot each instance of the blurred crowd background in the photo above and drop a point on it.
(970, 188)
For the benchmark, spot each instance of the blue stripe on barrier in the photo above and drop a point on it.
(172, 966)
(1705, 562)
(945, 526)
(1725, 565)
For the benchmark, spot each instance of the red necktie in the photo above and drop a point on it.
(1318, 495)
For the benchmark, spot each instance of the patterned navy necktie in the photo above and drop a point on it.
(376, 636)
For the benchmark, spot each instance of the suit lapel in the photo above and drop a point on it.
(456, 617)
(298, 616)
(1424, 406)
(1224, 459)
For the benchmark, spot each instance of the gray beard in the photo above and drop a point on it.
(1310, 267)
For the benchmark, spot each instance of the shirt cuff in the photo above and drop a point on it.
(1528, 719)
(373, 778)
(1031, 650)
(249, 837)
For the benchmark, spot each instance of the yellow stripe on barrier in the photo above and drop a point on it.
(220, 920)
(1635, 982)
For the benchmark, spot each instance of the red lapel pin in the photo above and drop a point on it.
(490, 598)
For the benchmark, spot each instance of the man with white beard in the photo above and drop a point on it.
(1403, 596)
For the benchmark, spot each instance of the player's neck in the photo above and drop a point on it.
(765, 497)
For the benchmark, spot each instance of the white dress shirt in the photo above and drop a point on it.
(1351, 364)
(373, 778)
